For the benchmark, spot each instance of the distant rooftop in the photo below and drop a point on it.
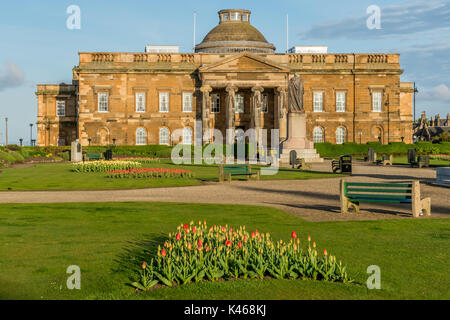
(162, 49)
(308, 49)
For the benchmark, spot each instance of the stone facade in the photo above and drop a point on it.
(101, 105)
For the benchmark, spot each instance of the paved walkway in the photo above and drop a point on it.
(314, 200)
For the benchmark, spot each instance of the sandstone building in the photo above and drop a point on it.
(141, 98)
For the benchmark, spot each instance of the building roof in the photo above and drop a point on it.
(234, 34)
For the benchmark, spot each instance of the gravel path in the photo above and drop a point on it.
(314, 200)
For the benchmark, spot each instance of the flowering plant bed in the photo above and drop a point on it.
(141, 160)
(197, 253)
(150, 173)
(104, 166)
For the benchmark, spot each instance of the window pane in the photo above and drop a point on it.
(187, 136)
(340, 135)
(376, 101)
(340, 101)
(215, 103)
(187, 102)
(163, 102)
(140, 102)
(318, 135)
(164, 136)
(141, 136)
(103, 102)
(239, 99)
(61, 108)
(318, 101)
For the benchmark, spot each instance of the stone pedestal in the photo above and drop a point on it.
(76, 154)
(297, 140)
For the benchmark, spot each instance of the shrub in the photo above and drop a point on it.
(7, 157)
(17, 156)
(194, 253)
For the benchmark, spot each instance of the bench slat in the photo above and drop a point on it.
(352, 190)
(381, 185)
(377, 196)
(383, 200)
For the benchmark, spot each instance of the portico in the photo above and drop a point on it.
(252, 91)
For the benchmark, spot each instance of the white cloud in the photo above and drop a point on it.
(396, 20)
(11, 75)
(438, 93)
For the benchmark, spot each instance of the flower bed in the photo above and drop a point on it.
(140, 160)
(150, 173)
(196, 253)
(104, 166)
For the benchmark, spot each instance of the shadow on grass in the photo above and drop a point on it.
(130, 260)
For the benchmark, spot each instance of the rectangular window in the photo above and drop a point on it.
(376, 101)
(239, 99)
(140, 101)
(340, 101)
(225, 17)
(318, 101)
(187, 102)
(265, 102)
(215, 103)
(245, 17)
(61, 108)
(235, 16)
(163, 102)
(103, 101)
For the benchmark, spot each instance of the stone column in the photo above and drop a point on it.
(206, 90)
(231, 108)
(256, 107)
(281, 111)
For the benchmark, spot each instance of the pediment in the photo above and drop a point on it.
(243, 63)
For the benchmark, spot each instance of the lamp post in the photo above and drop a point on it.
(6, 131)
(21, 141)
(31, 134)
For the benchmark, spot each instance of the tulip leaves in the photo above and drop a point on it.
(196, 253)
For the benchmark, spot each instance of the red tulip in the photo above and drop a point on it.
(178, 237)
(228, 243)
(240, 244)
(207, 249)
(309, 238)
(200, 243)
(144, 265)
(185, 226)
(325, 252)
(163, 252)
(294, 235)
(253, 235)
(193, 230)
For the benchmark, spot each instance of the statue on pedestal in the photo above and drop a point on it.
(296, 94)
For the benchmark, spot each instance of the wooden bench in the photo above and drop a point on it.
(353, 193)
(386, 160)
(93, 156)
(300, 163)
(226, 171)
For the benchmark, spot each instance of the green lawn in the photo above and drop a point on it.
(433, 162)
(60, 177)
(109, 241)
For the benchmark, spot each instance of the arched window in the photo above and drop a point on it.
(340, 135)
(187, 136)
(164, 136)
(318, 135)
(141, 137)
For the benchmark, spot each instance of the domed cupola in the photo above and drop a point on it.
(234, 34)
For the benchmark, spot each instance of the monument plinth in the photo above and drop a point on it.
(296, 127)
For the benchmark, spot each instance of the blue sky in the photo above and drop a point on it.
(36, 47)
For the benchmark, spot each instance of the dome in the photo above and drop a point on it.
(234, 34)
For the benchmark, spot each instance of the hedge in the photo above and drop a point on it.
(7, 157)
(329, 150)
